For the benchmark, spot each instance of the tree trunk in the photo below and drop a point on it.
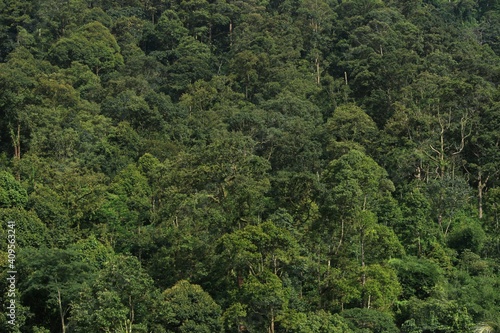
(318, 71)
(61, 313)
(271, 327)
(480, 188)
(131, 306)
(319, 277)
(363, 272)
(16, 142)
(363, 276)
(419, 246)
(341, 235)
(275, 265)
(230, 33)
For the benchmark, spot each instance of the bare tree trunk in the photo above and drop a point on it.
(419, 246)
(230, 33)
(19, 141)
(275, 265)
(271, 327)
(363, 276)
(210, 35)
(131, 310)
(480, 189)
(319, 277)
(440, 153)
(363, 272)
(341, 235)
(61, 313)
(362, 241)
(16, 142)
(318, 71)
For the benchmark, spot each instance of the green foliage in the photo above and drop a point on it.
(93, 252)
(127, 106)
(53, 279)
(351, 123)
(187, 307)
(103, 312)
(192, 63)
(12, 194)
(92, 45)
(418, 277)
(50, 208)
(30, 230)
(356, 185)
(416, 229)
(436, 315)
(367, 320)
(314, 322)
(467, 235)
(357, 182)
(121, 296)
(265, 297)
(472, 284)
(382, 287)
(255, 249)
(308, 166)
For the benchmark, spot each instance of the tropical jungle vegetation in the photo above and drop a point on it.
(209, 166)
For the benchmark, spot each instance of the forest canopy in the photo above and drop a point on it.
(288, 166)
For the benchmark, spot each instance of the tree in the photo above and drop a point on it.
(255, 258)
(18, 81)
(472, 284)
(313, 322)
(416, 228)
(366, 320)
(356, 186)
(485, 153)
(93, 45)
(467, 234)
(186, 307)
(126, 208)
(290, 139)
(266, 297)
(434, 314)
(255, 249)
(349, 123)
(437, 126)
(120, 297)
(30, 231)
(56, 17)
(130, 107)
(14, 16)
(418, 277)
(12, 194)
(54, 278)
(492, 225)
(316, 18)
(192, 61)
(226, 173)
